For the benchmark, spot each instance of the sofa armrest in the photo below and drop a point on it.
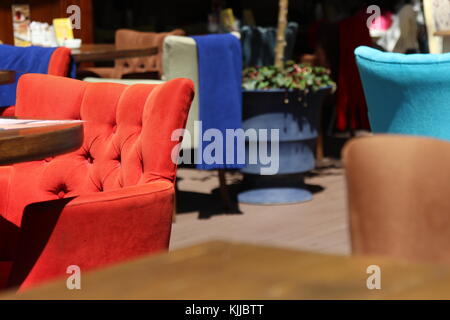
(92, 231)
(9, 232)
(5, 176)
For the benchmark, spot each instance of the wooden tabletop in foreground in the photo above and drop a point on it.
(7, 77)
(109, 52)
(37, 143)
(221, 270)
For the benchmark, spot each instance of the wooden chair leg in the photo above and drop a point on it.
(320, 141)
(319, 149)
(224, 192)
(174, 213)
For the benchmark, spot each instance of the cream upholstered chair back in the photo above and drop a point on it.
(180, 61)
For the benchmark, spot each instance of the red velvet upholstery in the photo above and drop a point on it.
(58, 65)
(110, 200)
(7, 111)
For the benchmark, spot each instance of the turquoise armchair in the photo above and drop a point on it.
(406, 94)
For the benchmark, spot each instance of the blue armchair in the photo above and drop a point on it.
(406, 94)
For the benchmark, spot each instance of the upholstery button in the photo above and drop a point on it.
(61, 191)
(48, 159)
(89, 157)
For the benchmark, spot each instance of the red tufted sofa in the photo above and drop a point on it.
(59, 65)
(109, 201)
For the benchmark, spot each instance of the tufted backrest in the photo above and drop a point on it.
(127, 136)
(126, 39)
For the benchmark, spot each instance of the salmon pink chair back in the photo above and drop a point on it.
(398, 197)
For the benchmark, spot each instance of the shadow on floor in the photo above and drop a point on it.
(325, 170)
(209, 205)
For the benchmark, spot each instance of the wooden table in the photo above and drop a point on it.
(442, 33)
(445, 34)
(7, 77)
(220, 270)
(19, 145)
(109, 52)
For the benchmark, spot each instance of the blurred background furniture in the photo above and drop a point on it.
(400, 28)
(437, 19)
(149, 67)
(258, 44)
(351, 109)
(109, 52)
(110, 200)
(406, 94)
(57, 62)
(398, 197)
(240, 271)
(445, 35)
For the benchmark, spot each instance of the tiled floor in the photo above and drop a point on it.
(319, 225)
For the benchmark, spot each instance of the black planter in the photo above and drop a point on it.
(297, 116)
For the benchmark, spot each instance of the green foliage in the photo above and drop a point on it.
(292, 77)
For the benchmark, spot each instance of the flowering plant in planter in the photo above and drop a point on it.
(292, 77)
(287, 99)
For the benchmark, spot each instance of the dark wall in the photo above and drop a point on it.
(192, 15)
(152, 15)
